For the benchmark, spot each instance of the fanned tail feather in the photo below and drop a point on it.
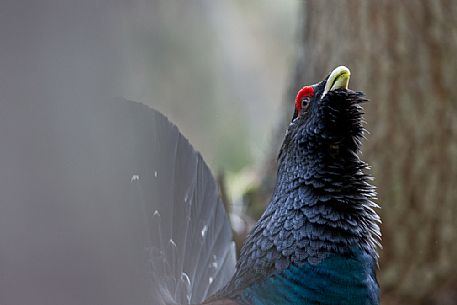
(191, 252)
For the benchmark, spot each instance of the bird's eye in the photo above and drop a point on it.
(303, 97)
(305, 103)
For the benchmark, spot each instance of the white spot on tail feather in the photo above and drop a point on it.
(204, 230)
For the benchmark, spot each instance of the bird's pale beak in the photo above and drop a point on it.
(338, 79)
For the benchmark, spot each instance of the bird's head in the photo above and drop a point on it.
(337, 79)
(326, 127)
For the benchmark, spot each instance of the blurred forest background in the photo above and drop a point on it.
(227, 73)
(217, 68)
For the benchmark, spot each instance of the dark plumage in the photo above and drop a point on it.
(316, 242)
(317, 239)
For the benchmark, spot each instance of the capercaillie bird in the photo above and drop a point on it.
(127, 212)
(316, 242)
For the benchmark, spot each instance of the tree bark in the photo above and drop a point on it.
(402, 54)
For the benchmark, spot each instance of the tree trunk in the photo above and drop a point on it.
(402, 54)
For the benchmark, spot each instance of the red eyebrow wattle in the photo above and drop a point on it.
(307, 91)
